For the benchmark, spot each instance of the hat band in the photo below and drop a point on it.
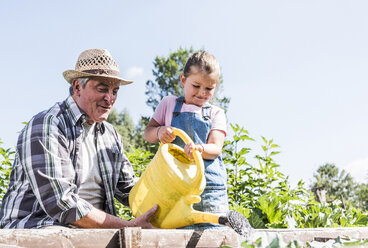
(103, 72)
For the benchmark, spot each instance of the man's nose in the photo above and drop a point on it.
(109, 97)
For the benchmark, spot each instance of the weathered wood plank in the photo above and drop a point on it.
(136, 237)
(310, 234)
(131, 237)
(189, 238)
(63, 238)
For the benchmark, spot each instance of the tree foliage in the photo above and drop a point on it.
(124, 125)
(331, 184)
(166, 72)
(133, 135)
(361, 196)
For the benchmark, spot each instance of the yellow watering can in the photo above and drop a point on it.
(174, 183)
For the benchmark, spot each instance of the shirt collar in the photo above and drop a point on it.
(78, 116)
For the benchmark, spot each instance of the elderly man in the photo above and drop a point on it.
(70, 163)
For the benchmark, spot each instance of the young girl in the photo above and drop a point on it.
(203, 122)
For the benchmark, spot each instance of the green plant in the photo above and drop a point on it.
(6, 158)
(248, 185)
(139, 160)
(263, 195)
(277, 243)
(247, 182)
(238, 168)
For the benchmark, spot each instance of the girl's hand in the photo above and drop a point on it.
(165, 134)
(188, 149)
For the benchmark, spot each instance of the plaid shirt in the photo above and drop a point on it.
(45, 178)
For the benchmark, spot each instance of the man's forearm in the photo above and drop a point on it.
(99, 219)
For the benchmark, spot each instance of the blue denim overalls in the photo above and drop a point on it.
(198, 127)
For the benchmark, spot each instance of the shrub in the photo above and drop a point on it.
(6, 158)
(262, 194)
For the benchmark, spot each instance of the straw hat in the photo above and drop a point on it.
(95, 63)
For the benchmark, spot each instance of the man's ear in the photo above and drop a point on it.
(76, 86)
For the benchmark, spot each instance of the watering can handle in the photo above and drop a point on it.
(197, 156)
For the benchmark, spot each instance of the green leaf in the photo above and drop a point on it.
(275, 243)
(274, 153)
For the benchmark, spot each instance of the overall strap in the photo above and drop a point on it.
(178, 105)
(206, 111)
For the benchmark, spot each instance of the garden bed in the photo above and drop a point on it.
(136, 237)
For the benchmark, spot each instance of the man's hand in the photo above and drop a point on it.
(143, 220)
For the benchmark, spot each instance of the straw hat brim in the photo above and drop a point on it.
(69, 75)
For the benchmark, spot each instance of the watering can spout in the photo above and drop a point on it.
(189, 216)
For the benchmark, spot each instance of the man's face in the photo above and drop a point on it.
(97, 98)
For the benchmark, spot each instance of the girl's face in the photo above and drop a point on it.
(199, 87)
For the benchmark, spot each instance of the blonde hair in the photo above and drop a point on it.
(204, 61)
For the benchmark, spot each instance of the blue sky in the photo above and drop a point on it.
(295, 70)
